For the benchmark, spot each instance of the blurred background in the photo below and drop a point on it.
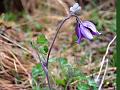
(23, 20)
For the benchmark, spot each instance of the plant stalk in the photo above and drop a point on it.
(58, 29)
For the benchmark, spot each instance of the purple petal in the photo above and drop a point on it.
(78, 33)
(79, 39)
(91, 26)
(77, 30)
(86, 33)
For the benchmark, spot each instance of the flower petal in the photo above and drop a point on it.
(85, 32)
(75, 6)
(78, 33)
(79, 37)
(79, 40)
(91, 26)
(77, 30)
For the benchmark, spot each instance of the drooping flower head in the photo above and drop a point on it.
(85, 29)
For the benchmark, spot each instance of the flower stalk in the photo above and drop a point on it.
(58, 29)
(83, 29)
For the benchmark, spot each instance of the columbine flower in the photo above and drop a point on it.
(85, 29)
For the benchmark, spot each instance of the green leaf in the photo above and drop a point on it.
(92, 84)
(60, 81)
(36, 88)
(51, 60)
(82, 87)
(43, 49)
(38, 26)
(44, 88)
(63, 61)
(37, 71)
(10, 16)
(42, 39)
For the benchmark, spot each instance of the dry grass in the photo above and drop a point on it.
(16, 64)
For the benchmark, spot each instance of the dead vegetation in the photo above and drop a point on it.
(16, 63)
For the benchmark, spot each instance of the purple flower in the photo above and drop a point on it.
(85, 29)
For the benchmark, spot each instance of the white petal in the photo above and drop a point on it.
(76, 5)
(71, 9)
(75, 8)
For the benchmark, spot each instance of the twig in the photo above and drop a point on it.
(110, 69)
(103, 59)
(21, 66)
(6, 38)
(64, 6)
(103, 75)
(3, 42)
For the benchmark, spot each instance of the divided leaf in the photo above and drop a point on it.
(42, 39)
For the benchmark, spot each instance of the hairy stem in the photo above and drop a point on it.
(58, 29)
(47, 75)
(43, 65)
